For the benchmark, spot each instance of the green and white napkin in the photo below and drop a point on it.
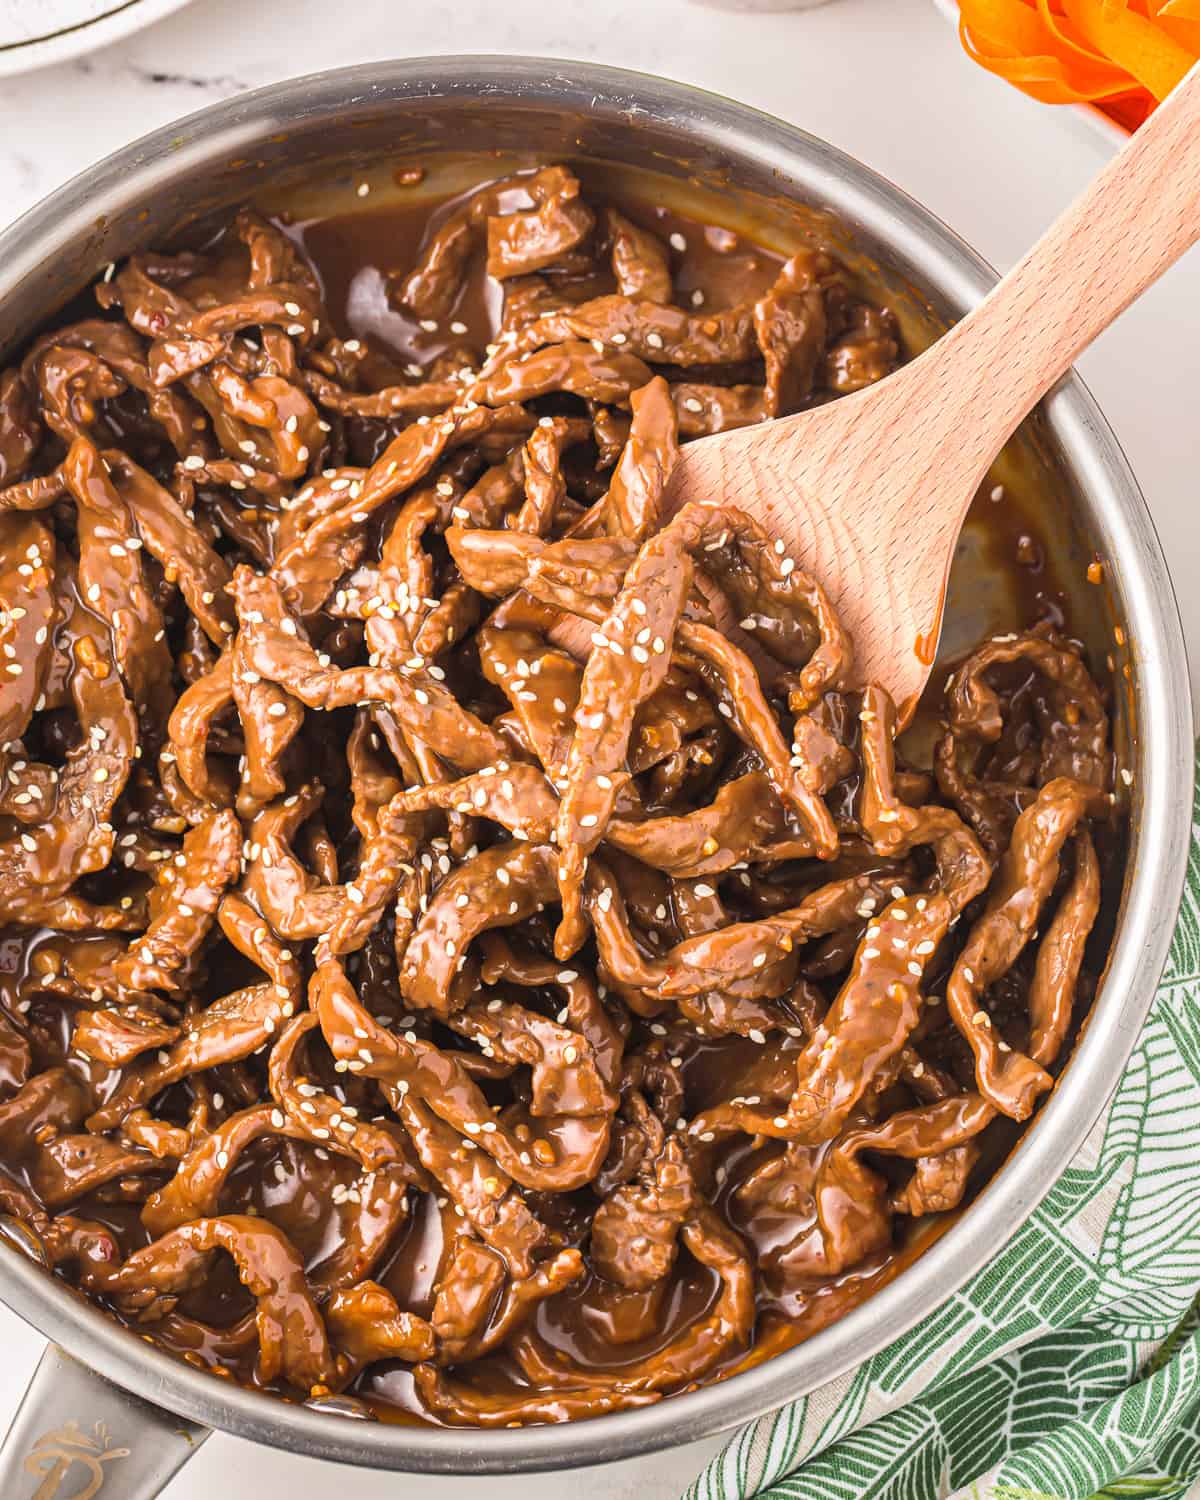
(1069, 1367)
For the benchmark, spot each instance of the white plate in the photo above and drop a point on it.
(35, 33)
(1096, 120)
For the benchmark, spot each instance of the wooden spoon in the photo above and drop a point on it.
(869, 493)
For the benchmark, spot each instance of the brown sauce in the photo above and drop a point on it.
(698, 1095)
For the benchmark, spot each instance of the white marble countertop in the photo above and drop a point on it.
(885, 80)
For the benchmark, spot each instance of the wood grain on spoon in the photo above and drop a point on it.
(869, 493)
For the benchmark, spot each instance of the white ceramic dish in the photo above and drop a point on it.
(36, 33)
(1094, 120)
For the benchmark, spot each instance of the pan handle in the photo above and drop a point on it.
(76, 1436)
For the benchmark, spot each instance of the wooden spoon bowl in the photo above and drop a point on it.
(869, 493)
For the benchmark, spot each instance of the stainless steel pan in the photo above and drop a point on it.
(769, 176)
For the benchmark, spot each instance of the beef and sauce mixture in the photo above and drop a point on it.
(403, 1011)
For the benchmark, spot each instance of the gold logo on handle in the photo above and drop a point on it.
(59, 1455)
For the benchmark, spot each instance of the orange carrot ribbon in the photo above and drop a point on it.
(1124, 55)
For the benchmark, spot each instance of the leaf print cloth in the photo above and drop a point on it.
(1075, 1364)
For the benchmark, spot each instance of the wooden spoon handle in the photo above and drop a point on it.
(1133, 221)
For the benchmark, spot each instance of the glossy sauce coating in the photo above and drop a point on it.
(398, 1012)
